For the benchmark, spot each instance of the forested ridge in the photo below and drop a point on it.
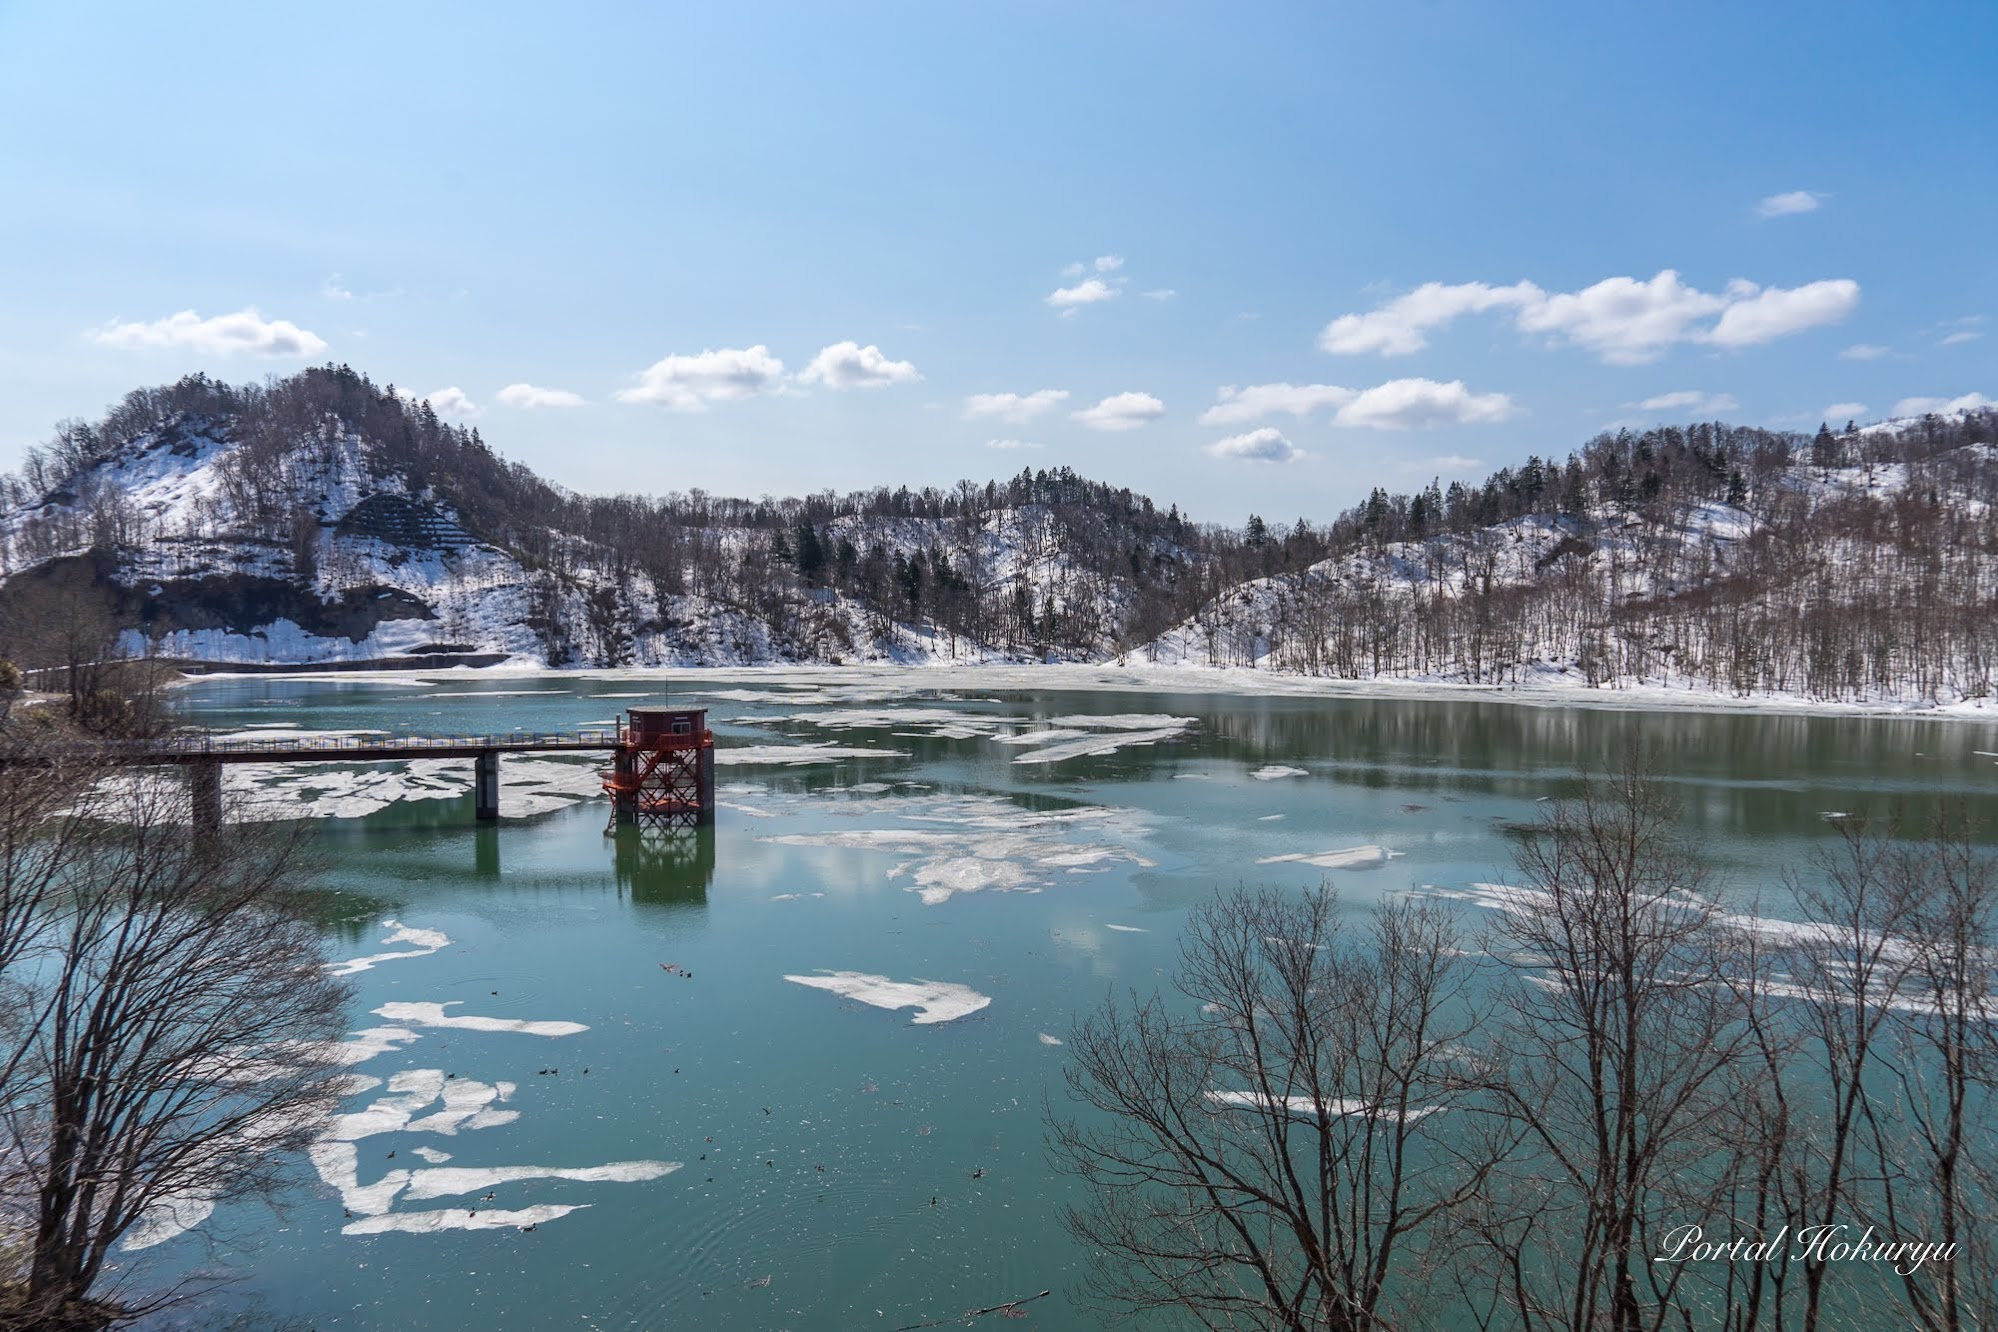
(321, 516)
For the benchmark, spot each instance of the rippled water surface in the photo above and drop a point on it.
(674, 1059)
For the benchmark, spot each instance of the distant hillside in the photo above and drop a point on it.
(324, 519)
(320, 519)
(1857, 566)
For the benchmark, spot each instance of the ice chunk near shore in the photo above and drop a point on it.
(426, 941)
(1348, 858)
(936, 1001)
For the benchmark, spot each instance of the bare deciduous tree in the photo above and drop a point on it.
(1620, 1036)
(171, 1030)
(1279, 1147)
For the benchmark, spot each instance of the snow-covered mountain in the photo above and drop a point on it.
(320, 520)
(324, 521)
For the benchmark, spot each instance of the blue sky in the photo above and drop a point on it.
(1240, 258)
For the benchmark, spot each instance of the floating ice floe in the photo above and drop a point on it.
(454, 1218)
(793, 755)
(1095, 745)
(1307, 1107)
(433, 1015)
(166, 1218)
(1271, 772)
(432, 1155)
(356, 788)
(426, 941)
(1049, 1040)
(1128, 929)
(935, 1001)
(466, 1103)
(361, 1046)
(1348, 858)
(986, 843)
(455, 1181)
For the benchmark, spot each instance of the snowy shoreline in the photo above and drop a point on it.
(1551, 690)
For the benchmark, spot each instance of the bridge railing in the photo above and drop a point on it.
(193, 745)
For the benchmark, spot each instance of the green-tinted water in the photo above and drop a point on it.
(833, 1147)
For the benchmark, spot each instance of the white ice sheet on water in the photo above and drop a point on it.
(1307, 1107)
(935, 1001)
(433, 1015)
(1346, 858)
(985, 843)
(1277, 771)
(426, 941)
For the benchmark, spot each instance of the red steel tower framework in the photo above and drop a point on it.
(663, 770)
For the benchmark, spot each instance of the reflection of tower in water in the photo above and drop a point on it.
(665, 867)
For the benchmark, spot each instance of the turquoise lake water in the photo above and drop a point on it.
(836, 1164)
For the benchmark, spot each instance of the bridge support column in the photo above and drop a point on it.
(624, 804)
(204, 784)
(706, 782)
(485, 785)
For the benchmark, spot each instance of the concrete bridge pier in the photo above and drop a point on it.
(485, 785)
(204, 782)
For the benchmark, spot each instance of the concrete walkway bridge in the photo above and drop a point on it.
(662, 761)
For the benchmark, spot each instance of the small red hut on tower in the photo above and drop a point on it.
(663, 773)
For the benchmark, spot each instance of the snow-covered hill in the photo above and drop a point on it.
(320, 520)
(262, 535)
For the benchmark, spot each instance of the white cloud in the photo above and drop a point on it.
(1961, 335)
(452, 402)
(1396, 329)
(1070, 299)
(1775, 313)
(1796, 201)
(691, 383)
(1121, 411)
(1689, 400)
(848, 365)
(528, 396)
(335, 290)
(1236, 405)
(1413, 404)
(1851, 411)
(1159, 294)
(1623, 320)
(1969, 402)
(1015, 407)
(1264, 445)
(1865, 351)
(1109, 263)
(221, 335)
(1074, 270)
(1010, 444)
